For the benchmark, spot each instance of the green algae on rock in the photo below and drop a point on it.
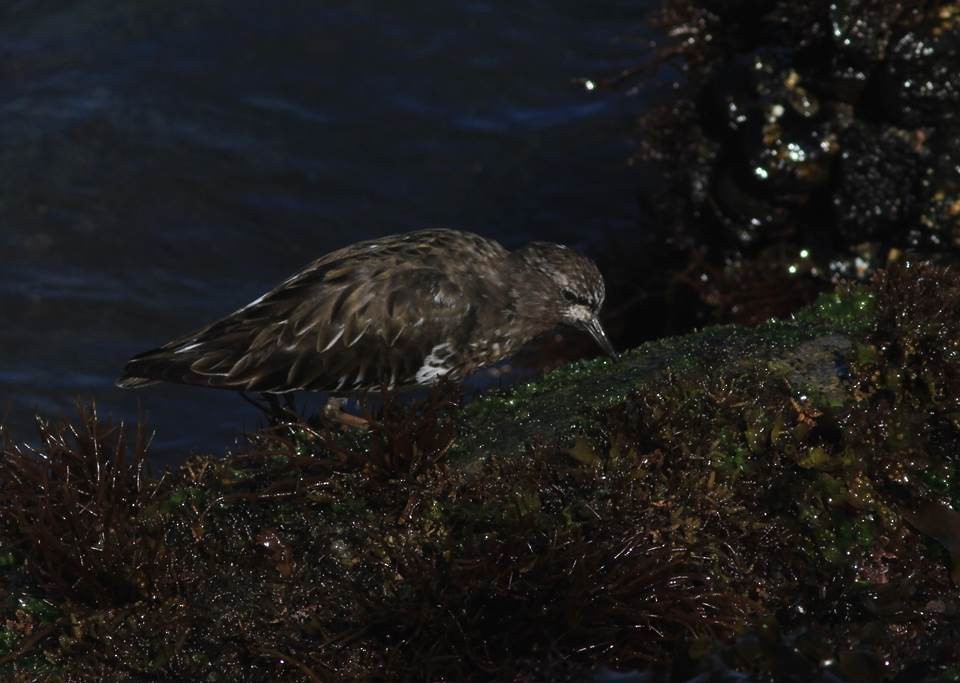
(774, 501)
(809, 352)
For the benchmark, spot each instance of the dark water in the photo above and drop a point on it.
(164, 163)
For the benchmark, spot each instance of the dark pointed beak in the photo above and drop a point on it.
(596, 331)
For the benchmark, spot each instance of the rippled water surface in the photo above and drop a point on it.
(164, 163)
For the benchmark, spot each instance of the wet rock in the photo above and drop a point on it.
(878, 193)
(919, 84)
(826, 128)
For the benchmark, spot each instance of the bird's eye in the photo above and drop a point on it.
(570, 297)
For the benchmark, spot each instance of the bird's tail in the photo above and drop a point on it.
(171, 363)
(146, 368)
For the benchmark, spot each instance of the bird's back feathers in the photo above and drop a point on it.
(384, 313)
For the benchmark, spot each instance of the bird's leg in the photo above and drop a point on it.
(271, 408)
(333, 410)
(279, 413)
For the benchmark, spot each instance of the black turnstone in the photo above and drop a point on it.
(396, 312)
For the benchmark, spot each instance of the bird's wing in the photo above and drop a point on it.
(346, 322)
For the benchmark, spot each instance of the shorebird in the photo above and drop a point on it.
(390, 313)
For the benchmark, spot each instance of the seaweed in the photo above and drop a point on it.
(71, 509)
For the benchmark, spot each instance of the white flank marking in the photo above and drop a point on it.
(435, 364)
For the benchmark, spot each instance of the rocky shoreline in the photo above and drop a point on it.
(776, 501)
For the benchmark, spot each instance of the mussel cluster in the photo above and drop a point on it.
(805, 142)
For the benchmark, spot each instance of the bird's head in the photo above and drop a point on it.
(578, 290)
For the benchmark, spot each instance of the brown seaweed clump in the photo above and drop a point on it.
(72, 506)
(727, 520)
(305, 558)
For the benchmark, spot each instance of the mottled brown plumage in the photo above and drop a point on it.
(394, 312)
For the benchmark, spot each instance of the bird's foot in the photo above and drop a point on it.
(333, 410)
